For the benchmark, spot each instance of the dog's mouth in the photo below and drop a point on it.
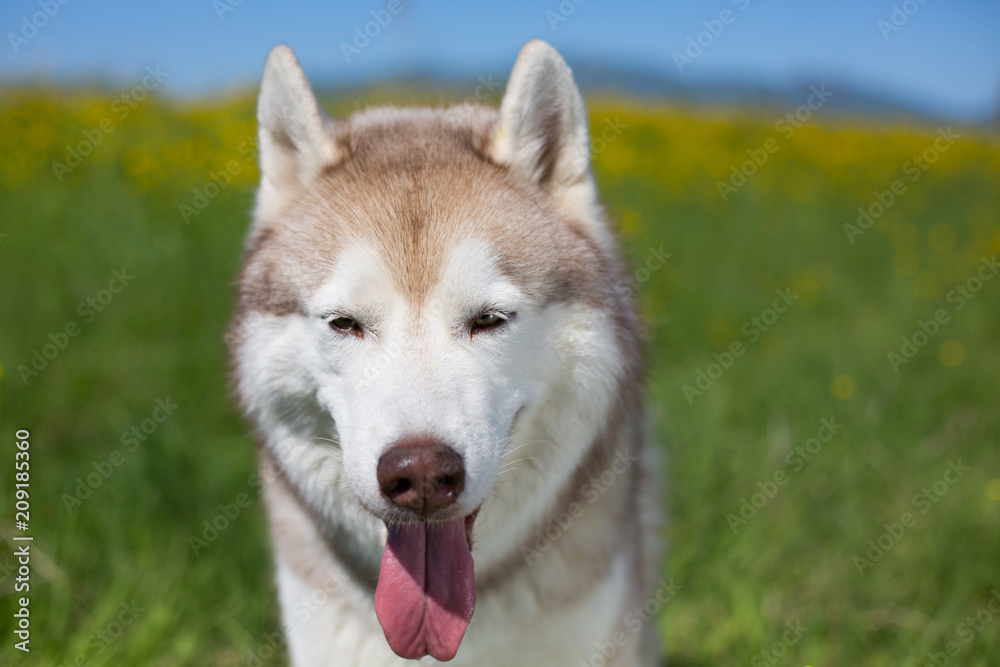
(426, 590)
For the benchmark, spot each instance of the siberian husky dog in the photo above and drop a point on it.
(437, 346)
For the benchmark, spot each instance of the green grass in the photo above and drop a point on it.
(161, 337)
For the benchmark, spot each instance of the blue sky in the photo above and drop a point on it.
(945, 57)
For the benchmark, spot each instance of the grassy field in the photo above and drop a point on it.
(834, 490)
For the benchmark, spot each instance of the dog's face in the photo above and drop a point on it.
(426, 328)
(416, 283)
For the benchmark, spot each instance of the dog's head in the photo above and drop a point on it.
(418, 282)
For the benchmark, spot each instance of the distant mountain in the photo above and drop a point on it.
(847, 99)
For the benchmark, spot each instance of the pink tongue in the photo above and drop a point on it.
(426, 589)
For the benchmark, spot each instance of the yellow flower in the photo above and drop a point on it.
(952, 353)
(842, 387)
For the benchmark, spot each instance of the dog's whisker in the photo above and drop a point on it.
(507, 467)
(320, 467)
(316, 437)
(522, 446)
(523, 458)
(498, 498)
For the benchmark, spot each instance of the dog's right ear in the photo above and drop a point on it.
(296, 136)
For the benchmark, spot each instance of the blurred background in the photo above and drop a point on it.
(822, 335)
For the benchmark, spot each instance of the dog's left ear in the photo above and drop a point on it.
(296, 137)
(542, 133)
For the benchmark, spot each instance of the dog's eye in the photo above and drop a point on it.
(487, 321)
(345, 325)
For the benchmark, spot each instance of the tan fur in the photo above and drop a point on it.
(420, 178)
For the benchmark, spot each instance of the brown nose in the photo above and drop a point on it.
(422, 477)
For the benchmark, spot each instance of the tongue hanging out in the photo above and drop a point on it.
(426, 588)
